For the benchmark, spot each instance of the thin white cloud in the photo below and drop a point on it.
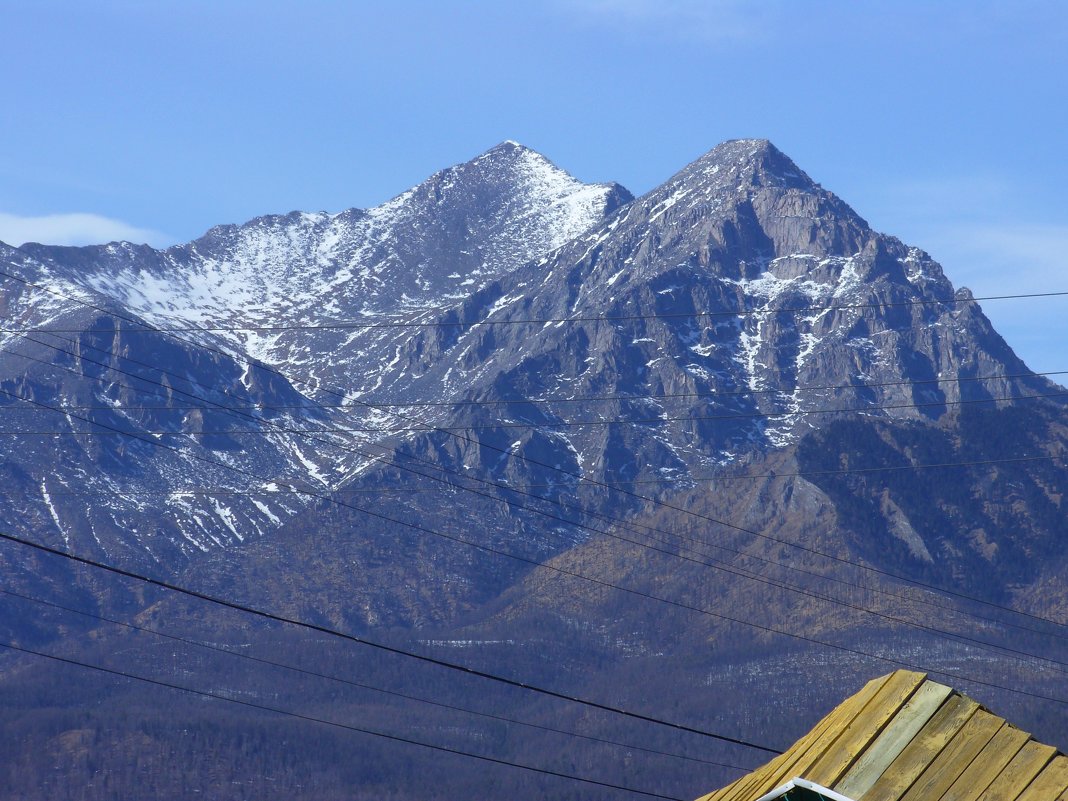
(1002, 257)
(73, 229)
(976, 226)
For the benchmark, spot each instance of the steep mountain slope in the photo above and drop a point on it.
(679, 307)
(112, 430)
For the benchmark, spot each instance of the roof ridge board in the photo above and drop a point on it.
(894, 738)
(860, 732)
(924, 748)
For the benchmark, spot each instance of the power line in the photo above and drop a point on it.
(747, 623)
(465, 669)
(665, 600)
(591, 423)
(681, 480)
(843, 470)
(360, 685)
(335, 724)
(469, 489)
(472, 671)
(578, 477)
(704, 611)
(621, 421)
(715, 564)
(381, 404)
(737, 571)
(701, 418)
(394, 323)
(768, 311)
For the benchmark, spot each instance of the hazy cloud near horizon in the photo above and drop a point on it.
(77, 228)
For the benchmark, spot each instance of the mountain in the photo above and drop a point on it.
(682, 452)
(430, 247)
(678, 325)
(433, 246)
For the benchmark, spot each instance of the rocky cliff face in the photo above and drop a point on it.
(725, 313)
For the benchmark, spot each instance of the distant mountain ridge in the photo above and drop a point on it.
(677, 293)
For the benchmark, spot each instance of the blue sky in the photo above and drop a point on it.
(942, 123)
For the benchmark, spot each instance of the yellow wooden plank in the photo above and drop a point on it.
(986, 767)
(770, 775)
(756, 784)
(714, 794)
(823, 736)
(898, 734)
(922, 751)
(723, 792)
(737, 789)
(864, 728)
(803, 753)
(742, 788)
(732, 791)
(955, 758)
(1021, 769)
(1050, 783)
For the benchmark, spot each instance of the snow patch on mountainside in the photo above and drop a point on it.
(567, 207)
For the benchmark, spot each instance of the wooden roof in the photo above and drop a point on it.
(906, 738)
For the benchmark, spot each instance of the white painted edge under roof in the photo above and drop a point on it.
(806, 784)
